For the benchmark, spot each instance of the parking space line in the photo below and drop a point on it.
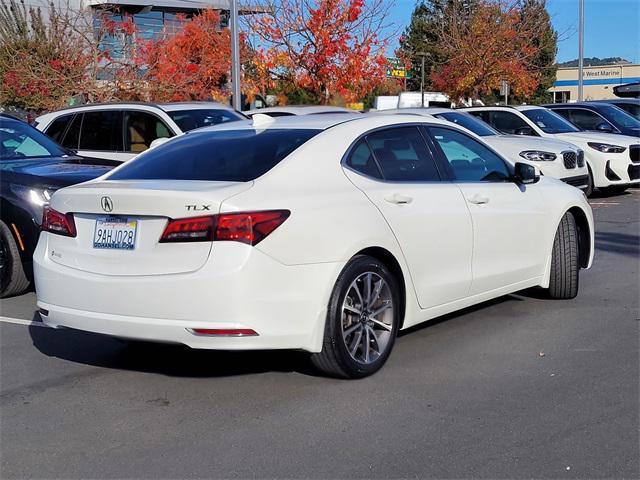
(20, 321)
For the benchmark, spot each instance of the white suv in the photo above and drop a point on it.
(613, 160)
(119, 131)
(554, 158)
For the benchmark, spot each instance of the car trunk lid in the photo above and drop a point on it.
(142, 207)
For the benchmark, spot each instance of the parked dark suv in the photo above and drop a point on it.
(629, 105)
(597, 116)
(32, 167)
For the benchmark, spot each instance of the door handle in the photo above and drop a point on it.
(478, 199)
(398, 199)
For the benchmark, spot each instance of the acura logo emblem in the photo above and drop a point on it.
(107, 204)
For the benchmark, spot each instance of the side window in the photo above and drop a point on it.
(483, 115)
(469, 159)
(402, 154)
(508, 122)
(102, 131)
(585, 119)
(142, 128)
(361, 160)
(72, 137)
(56, 129)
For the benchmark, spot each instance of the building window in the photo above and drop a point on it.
(561, 97)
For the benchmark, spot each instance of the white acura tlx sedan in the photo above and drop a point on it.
(326, 233)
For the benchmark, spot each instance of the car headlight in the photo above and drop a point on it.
(606, 147)
(36, 197)
(538, 156)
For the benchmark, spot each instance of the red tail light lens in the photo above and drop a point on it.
(58, 223)
(246, 227)
(249, 227)
(198, 229)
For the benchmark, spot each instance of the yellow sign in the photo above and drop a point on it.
(355, 106)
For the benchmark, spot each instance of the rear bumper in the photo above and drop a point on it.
(238, 288)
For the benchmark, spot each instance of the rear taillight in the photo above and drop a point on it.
(58, 223)
(246, 227)
(197, 229)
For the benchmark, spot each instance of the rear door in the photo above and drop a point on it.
(100, 135)
(509, 245)
(141, 129)
(396, 170)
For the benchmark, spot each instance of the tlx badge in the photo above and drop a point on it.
(197, 208)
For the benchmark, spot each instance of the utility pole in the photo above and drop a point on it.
(581, 50)
(235, 55)
(423, 55)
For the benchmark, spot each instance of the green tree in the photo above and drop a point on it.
(544, 62)
(422, 37)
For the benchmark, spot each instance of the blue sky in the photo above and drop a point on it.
(612, 27)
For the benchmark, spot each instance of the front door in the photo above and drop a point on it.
(509, 247)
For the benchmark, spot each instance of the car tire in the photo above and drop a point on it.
(563, 283)
(13, 280)
(613, 190)
(363, 319)
(589, 190)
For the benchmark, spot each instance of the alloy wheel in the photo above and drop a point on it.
(367, 317)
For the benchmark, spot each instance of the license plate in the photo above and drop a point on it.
(115, 232)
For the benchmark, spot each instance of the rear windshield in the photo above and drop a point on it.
(196, 118)
(469, 122)
(225, 155)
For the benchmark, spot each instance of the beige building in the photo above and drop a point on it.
(598, 81)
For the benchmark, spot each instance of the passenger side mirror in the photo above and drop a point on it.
(524, 131)
(526, 174)
(158, 141)
(604, 127)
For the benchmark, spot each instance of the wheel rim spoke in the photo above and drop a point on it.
(355, 287)
(356, 343)
(352, 309)
(374, 337)
(367, 346)
(381, 309)
(381, 324)
(351, 329)
(376, 293)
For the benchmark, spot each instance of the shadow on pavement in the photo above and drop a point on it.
(180, 361)
(622, 243)
(166, 359)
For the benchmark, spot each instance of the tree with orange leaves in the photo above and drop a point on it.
(328, 48)
(486, 44)
(192, 63)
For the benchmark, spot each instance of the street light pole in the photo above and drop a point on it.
(235, 55)
(422, 83)
(422, 55)
(581, 50)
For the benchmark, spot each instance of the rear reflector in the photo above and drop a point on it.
(58, 223)
(236, 332)
(245, 227)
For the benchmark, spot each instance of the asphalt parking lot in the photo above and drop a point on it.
(520, 387)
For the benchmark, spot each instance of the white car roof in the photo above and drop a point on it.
(167, 107)
(320, 122)
(300, 110)
(170, 107)
(416, 111)
(519, 108)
